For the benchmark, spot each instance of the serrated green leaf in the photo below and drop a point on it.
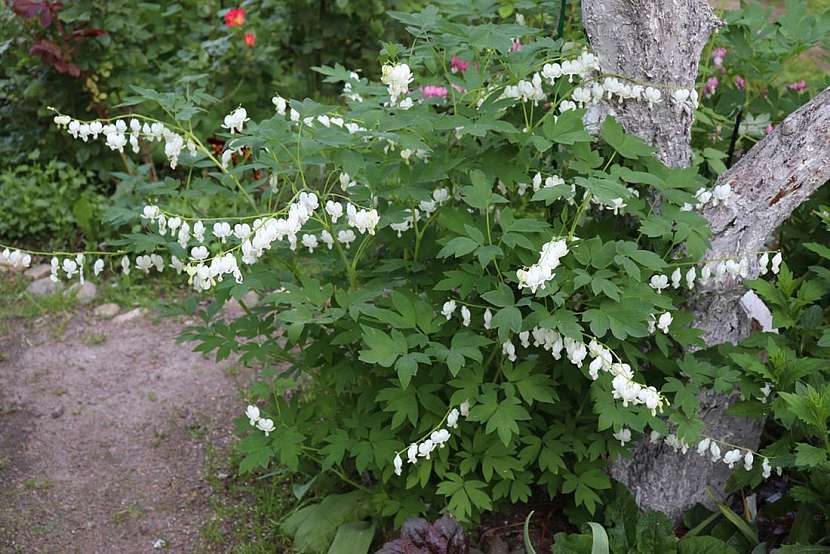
(382, 348)
(567, 128)
(626, 145)
(807, 455)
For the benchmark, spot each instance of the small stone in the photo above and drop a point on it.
(84, 293)
(222, 475)
(250, 299)
(7, 267)
(38, 271)
(159, 544)
(128, 316)
(107, 311)
(57, 412)
(43, 286)
(232, 306)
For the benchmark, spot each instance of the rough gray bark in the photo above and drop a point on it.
(768, 183)
(657, 42)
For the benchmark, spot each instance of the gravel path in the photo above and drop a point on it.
(104, 437)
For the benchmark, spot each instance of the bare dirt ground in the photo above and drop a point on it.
(105, 431)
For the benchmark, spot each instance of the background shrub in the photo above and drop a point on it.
(44, 201)
(84, 57)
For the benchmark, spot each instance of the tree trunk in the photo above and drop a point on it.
(659, 42)
(768, 183)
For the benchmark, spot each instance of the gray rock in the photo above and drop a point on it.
(84, 293)
(128, 316)
(250, 299)
(233, 306)
(38, 271)
(43, 286)
(57, 412)
(107, 311)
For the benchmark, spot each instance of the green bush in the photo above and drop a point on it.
(419, 316)
(47, 202)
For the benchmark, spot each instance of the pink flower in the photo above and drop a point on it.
(434, 91)
(517, 45)
(769, 129)
(718, 54)
(710, 87)
(458, 65)
(250, 40)
(798, 86)
(740, 83)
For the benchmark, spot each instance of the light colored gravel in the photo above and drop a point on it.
(103, 435)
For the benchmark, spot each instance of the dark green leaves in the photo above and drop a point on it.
(627, 318)
(584, 485)
(807, 455)
(655, 533)
(501, 297)
(464, 345)
(704, 545)
(459, 246)
(501, 417)
(567, 128)
(626, 145)
(464, 494)
(257, 450)
(382, 348)
(480, 194)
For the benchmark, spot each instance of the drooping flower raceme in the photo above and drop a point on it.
(448, 309)
(623, 435)
(397, 79)
(535, 276)
(437, 438)
(235, 121)
(363, 220)
(15, 259)
(625, 388)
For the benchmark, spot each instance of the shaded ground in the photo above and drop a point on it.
(105, 429)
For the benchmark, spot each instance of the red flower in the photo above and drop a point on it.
(235, 17)
(250, 40)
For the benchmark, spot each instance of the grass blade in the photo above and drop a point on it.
(528, 545)
(599, 543)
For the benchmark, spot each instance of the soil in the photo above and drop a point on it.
(106, 432)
